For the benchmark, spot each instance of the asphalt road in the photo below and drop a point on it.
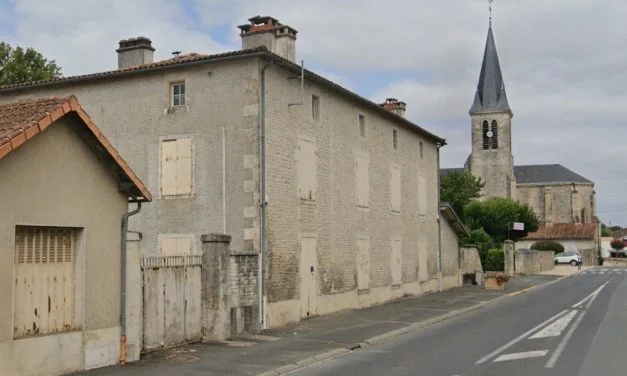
(576, 326)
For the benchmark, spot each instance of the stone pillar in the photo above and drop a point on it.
(216, 325)
(508, 251)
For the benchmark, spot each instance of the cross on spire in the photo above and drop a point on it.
(490, 5)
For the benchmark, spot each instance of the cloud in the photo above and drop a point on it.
(563, 61)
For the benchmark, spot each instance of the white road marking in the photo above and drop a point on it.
(590, 297)
(557, 327)
(558, 351)
(521, 355)
(520, 338)
(603, 270)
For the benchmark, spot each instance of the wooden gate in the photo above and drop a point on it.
(172, 305)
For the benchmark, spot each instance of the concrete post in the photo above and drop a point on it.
(508, 250)
(216, 324)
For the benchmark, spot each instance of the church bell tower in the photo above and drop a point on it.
(491, 157)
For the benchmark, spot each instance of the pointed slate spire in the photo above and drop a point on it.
(490, 96)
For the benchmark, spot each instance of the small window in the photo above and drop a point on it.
(315, 107)
(395, 139)
(362, 125)
(178, 94)
(421, 150)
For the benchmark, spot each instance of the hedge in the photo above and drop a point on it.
(548, 245)
(495, 260)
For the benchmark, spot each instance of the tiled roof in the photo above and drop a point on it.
(182, 59)
(564, 231)
(21, 121)
(198, 58)
(554, 173)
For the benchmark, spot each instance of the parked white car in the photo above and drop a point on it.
(572, 258)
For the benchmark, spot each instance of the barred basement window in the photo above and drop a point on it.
(44, 280)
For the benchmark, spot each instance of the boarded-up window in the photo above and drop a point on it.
(395, 188)
(307, 169)
(363, 180)
(44, 280)
(175, 245)
(176, 167)
(548, 206)
(422, 195)
(395, 262)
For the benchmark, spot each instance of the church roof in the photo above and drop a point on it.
(553, 173)
(490, 95)
(538, 174)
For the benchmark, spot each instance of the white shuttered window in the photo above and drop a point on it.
(44, 280)
(176, 167)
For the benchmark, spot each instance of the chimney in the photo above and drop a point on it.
(394, 106)
(269, 32)
(135, 51)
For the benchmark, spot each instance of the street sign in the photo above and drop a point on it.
(519, 226)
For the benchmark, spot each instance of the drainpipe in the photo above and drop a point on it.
(439, 145)
(123, 284)
(263, 264)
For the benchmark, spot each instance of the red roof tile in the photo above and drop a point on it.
(23, 120)
(564, 231)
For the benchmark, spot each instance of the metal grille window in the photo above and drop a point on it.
(178, 94)
(44, 280)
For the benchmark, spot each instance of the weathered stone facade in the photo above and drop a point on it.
(560, 203)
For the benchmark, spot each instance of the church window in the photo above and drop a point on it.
(486, 139)
(490, 136)
(495, 135)
(583, 215)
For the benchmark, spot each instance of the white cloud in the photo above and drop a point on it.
(563, 62)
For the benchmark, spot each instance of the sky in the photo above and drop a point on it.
(564, 62)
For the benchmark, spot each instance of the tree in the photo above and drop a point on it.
(496, 216)
(18, 65)
(459, 189)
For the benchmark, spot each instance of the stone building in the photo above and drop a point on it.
(556, 194)
(336, 194)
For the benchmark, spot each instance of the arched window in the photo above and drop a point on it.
(486, 139)
(583, 215)
(495, 135)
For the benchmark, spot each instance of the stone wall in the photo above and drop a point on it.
(558, 203)
(588, 256)
(470, 261)
(532, 262)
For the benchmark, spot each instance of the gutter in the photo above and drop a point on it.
(263, 264)
(123, 282)
(438, 146)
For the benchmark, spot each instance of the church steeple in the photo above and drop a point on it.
(490, 95)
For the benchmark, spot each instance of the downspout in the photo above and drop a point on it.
(439, 145)
(123, 282)
(262, 265)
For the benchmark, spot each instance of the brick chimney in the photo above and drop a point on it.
(135, 51)
(394, 106)
(269, 32)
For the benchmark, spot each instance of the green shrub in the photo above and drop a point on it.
(495, 260)
(548, 245)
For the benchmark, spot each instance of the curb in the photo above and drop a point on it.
(335, 353)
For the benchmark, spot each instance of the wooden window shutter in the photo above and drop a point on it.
(168, 167)
(184, 166)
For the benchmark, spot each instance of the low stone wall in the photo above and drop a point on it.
(615, 262)
(470, 264)
(532, 262)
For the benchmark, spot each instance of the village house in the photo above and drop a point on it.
(337, 195)
(64, 193)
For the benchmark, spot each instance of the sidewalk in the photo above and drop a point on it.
(275, 352)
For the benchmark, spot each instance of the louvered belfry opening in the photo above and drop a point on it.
(44, 280)
(490, 135)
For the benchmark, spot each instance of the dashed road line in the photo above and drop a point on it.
(558, 351)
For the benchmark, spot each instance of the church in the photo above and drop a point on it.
(557, 194)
